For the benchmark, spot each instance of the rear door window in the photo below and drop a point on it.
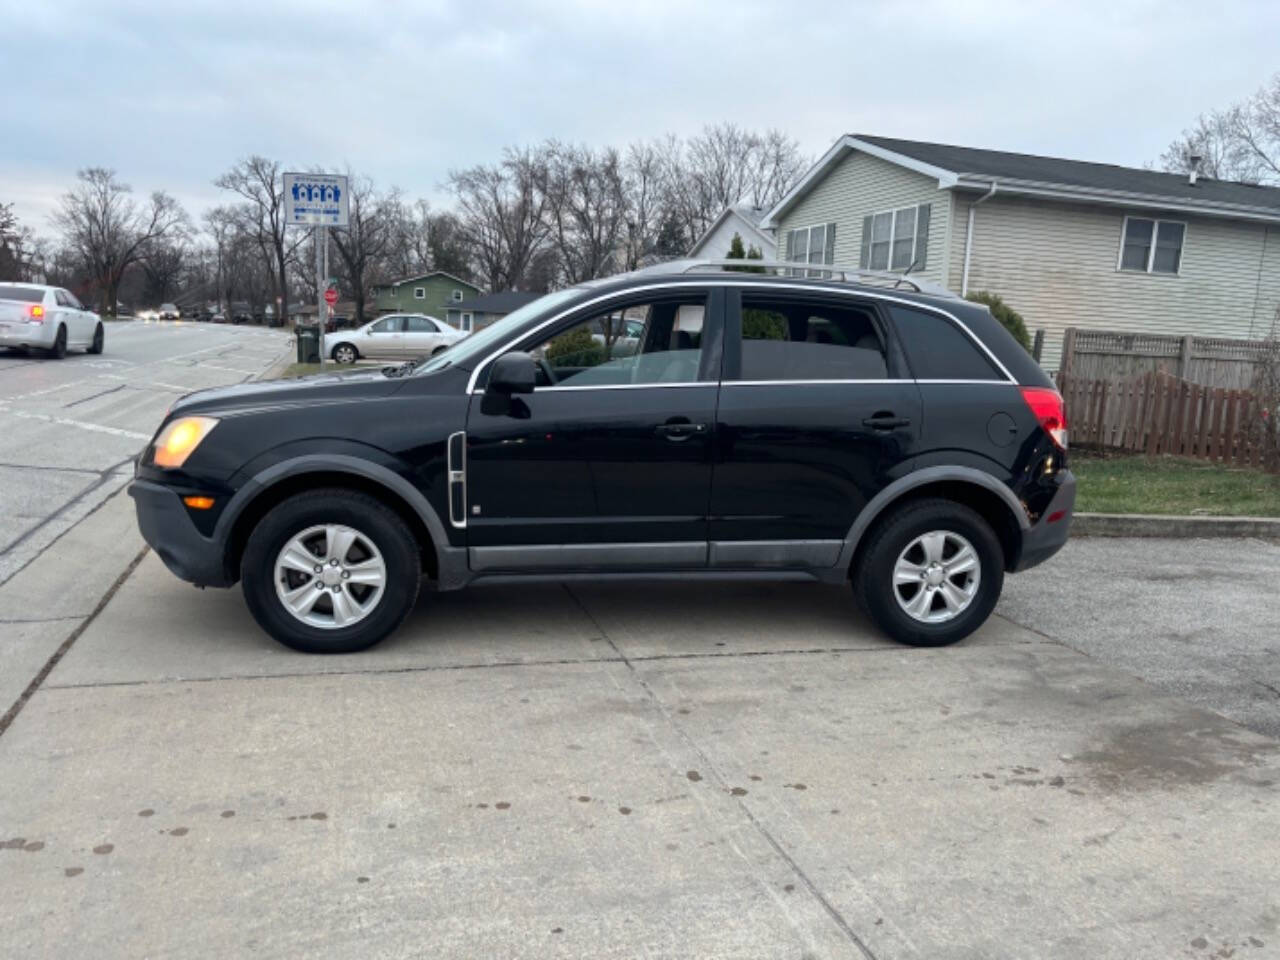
(796, 339)
(937, 349)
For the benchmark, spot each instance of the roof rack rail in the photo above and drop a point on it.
(819, 271)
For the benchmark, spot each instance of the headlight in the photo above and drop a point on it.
(179, 439)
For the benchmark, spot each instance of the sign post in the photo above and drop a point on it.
(318, 200)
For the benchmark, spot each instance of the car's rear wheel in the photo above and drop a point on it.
(345, 353)
(931, 573)
(98, 338)
(330, 571)
(59, 348)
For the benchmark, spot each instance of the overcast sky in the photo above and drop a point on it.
(171, 94)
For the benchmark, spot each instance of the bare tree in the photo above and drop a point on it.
(110, 232)
(364, 244)
(501, 214)
(724, 165)
(19, 250)
(260, 183)
(1240, 142)
(642, 190)
(164, 267)
(586, 209)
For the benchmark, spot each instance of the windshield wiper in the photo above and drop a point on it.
(399, 370)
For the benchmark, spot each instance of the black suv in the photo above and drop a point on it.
(685, 418)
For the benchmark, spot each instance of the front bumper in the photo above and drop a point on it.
(167, 528)
(1049, 534)
(27, 334)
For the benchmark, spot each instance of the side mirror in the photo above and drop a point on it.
(512, 373)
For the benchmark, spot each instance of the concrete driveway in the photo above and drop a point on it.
(682, 769)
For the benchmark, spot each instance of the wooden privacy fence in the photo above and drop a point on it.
(1212, 361)
(1159, 413)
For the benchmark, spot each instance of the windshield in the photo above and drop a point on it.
(473, 349)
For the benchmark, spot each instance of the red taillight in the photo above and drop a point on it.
(1046, 404)
(37, 313)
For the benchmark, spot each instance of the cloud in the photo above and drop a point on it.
(171, 94)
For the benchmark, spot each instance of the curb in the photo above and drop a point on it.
(286, 360)
(1157, 525)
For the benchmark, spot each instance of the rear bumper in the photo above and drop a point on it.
(1047, 537)
(27, 334)
(169, 531)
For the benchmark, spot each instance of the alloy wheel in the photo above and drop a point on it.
(936, 578)
(330, 576)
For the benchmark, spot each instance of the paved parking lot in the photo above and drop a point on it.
(663, 769)
(675, 769)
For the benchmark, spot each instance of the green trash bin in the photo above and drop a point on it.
(308, 335)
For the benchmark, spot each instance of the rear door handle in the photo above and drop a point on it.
(886, 421)
(680, 430)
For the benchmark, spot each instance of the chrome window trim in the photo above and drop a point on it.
(722, 282)
(616, 386)
(797, 383)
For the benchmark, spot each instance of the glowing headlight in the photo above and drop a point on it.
(180, 438)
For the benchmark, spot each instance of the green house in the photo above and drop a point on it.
(432, 293)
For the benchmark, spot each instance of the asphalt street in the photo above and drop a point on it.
(1196, 618)
(69, 428)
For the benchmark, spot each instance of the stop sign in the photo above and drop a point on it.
(331, 296)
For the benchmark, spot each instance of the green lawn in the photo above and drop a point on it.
(303, 370)
(1172, 485)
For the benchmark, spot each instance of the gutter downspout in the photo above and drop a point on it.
(968, 238)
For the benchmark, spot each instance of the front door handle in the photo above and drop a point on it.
(886, 421)
(678, 431)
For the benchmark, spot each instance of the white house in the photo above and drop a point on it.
(742, 219)
(1064, 242)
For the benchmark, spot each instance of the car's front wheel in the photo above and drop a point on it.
(931, 573)
(330, 571)
(345, 353)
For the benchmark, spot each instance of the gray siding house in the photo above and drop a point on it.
(1064, 242)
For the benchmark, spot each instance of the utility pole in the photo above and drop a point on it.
(322, 263)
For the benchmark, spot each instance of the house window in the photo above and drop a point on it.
(457, 296)
(1152, 246)
(419, 293)
(895, 239)
(812, 244)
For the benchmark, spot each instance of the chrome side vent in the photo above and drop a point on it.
(457, 465)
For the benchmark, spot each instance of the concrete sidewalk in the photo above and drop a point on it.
(674, 769)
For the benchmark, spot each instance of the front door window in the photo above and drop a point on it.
(639, 344)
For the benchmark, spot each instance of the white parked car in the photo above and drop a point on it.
(37, 317)
(397, 336)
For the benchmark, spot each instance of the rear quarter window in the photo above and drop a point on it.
(939, 350)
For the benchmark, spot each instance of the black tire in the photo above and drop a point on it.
(59, 348)
(347, 357)
(373, 520)
(98, 338)
(877, 593)
(438, 350)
